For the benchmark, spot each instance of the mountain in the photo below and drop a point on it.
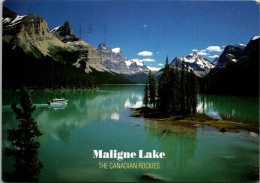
(230, 55)
(89, 55)
(114, 61)
(252, 48)
(29, 32)
(199, 65)
(238, 78)
(111, 54)
(37, 58)
(215, 61)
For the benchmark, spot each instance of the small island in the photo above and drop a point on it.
(193, 122)
(175, 101)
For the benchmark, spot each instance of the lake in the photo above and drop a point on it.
(100, 120)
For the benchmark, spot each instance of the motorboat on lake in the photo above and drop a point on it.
(58, 101)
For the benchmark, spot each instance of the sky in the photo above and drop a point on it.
(151, 30)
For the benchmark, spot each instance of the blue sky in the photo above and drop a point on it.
(161, 28)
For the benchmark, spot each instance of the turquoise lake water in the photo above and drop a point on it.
(100, 119)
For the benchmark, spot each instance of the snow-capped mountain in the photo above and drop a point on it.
(136, 65)
(199, 65)
(114, 60)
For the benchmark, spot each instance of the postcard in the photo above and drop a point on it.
(130, 91)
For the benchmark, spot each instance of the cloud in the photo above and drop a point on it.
(153, 68)
(160, 64)
(116, 50)
(145, 53)
(203, 50)
(145, 26)
(157, 52)
(214, 48)
(148, 60)
(214, 56)
(194, 50)
(202, 53)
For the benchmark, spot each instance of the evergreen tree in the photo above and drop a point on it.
(152, 89)
(188, 92)
(164, 90)
(194, 92)
(174, 94)
(183, 90)
(146, 96)
(24, 146)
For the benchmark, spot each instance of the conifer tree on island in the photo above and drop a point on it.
(152, 89)
(177, 91)
(24, 146)
(146, 96)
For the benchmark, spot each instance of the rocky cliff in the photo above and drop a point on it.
(28, 31)
(88, 53)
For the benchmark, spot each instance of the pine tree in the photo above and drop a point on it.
(174, 95)
(146, 96)
(152, 89)
(183, 90)
(24, 146)
(164, 90)
(188, 92)
(194, 92)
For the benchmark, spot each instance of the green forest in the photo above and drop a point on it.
(36, 71)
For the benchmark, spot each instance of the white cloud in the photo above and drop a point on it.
(145, 53)
(202, 53)
(203, 50)
(160, 64)
(157, 52)
(148, 60)
(145, 26)
(194, 50)
(214, 56)
(214, 48)
(116, 50)
(223, 46)
(154, 68)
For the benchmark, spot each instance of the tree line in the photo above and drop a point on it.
(177, 91)
(36, 71)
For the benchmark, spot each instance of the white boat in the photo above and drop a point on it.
(58, 101)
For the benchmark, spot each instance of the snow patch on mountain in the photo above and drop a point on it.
(16, 21)
(255, 37)
(55, 29)
(138, 61)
